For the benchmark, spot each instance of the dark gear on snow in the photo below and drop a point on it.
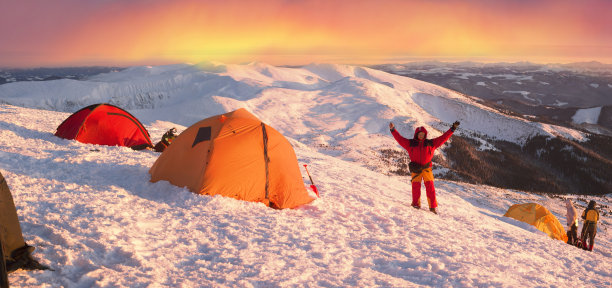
(572, 235)
(166, 140)
(22, 259)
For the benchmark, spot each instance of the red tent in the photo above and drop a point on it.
(105, 124)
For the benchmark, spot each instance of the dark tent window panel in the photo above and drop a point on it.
(204, 134)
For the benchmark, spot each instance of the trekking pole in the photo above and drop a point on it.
(312, 186)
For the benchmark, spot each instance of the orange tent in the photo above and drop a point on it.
(540, 217)
(234, 155)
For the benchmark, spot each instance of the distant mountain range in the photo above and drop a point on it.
(46, 74)
(344, 111)
(550, 93)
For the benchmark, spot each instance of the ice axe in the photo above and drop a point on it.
(312, 186)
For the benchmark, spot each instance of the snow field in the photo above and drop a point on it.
(97, 220)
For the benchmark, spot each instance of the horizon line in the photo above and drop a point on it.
(388, 61)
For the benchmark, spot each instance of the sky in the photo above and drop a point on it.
(298, 32)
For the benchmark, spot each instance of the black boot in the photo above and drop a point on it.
(22, 259)
(433, 210)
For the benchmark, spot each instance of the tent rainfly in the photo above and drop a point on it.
(538, 216)
(234, 155)
(105, 124)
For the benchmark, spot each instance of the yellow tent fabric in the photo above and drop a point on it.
(10, 230)
(234, 155)
(540, 217)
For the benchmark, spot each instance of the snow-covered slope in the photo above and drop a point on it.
(97, 220)
(343, 109)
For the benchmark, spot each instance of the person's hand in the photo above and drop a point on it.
(391, 126)
(455, 125)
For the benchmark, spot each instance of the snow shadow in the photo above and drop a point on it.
(28, 133)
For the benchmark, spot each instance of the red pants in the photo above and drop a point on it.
(427, 177)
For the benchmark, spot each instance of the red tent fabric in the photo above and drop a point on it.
(105, 124)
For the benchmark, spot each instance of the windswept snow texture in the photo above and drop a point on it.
(98, 222)
(349, 107)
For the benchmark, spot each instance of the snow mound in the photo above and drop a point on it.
(98, 222)
(350, 106)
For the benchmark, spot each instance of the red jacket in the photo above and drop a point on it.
(421, 151)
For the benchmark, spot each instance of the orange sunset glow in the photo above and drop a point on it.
(294, 32)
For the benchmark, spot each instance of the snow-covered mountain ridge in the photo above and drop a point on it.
(551, 93)
(335, 92)
(98, 222)
(342, 110)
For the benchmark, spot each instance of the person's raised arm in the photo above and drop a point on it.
(437, 142)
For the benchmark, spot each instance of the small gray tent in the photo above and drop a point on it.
(17, 254)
